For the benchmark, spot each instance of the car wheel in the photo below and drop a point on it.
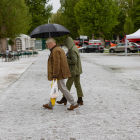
(128, 51)
(112, 51)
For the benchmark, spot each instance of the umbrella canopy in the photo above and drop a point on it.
(49, 30)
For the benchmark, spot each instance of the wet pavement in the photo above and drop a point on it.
(111, 109)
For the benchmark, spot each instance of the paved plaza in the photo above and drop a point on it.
(111, 110)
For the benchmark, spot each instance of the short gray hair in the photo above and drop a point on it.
(50, 40)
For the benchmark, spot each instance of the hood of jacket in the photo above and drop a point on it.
(69, 43)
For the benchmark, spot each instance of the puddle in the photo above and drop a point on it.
(121, 69)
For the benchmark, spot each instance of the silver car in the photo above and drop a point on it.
(131, 47)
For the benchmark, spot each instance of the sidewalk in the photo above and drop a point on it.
(10, 71)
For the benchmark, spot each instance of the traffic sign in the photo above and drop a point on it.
(83, 37)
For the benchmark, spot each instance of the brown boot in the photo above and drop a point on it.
(72, 107)
(80, 101)
(46, 106)
(63, 100)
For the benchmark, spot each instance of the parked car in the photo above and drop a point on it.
(131, 47)
(138, 46)
(92, 48)
(86, 42)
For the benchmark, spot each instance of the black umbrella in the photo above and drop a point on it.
(49, 30)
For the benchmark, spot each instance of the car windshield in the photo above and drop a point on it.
(122, 44)
(136, 44)
(119, 45)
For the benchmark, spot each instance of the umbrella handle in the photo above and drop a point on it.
(49, 34)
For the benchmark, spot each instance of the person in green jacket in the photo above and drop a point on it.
(75, 67)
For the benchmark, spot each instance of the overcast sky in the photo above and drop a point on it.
(56, 5)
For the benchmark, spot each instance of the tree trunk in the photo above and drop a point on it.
(118, 39)
(3, 40)
(102, 42)
(14, 48)
(93, 36)
(3, 45)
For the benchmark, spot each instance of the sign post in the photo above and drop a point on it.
(83, 37)
(125, 46)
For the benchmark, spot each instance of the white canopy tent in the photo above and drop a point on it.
(131, 36)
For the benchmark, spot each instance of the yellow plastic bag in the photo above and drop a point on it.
(54, 92)
(53, 101)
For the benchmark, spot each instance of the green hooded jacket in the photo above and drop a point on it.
(73, 57)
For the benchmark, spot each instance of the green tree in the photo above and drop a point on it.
(10, 42)
(68, 18)
(56, 17)
(14, 19)
(40, 13)
(134, 13)
(119, 29)
(128, 26)
(98, 17)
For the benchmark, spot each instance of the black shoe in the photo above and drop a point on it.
(63, 100)
(80, 101)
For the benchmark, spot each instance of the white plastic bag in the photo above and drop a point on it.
(54, 90)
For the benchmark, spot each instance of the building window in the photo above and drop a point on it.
(31, 43)
(38, 44)
(26, 44)
(18, 44)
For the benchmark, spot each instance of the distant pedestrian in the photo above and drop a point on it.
(74, 63)
(58, 69)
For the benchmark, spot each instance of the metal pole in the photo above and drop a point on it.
(125, 46)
